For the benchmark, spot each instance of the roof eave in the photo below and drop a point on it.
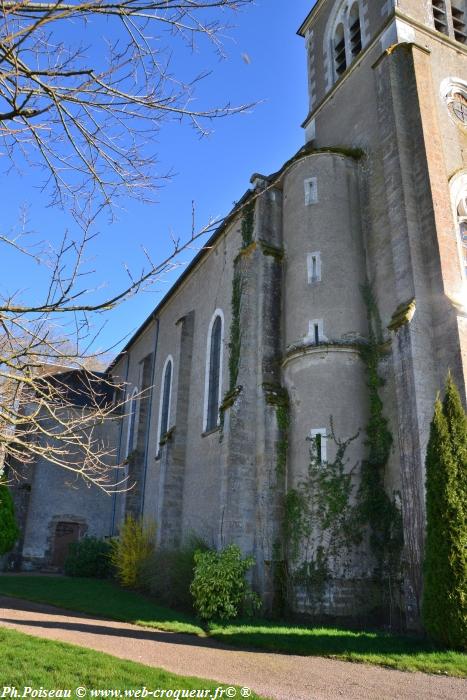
(304, 26)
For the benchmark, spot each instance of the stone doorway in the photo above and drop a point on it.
(65, 534)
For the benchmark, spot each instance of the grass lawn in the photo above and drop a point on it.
(106, 599)
(28, 661)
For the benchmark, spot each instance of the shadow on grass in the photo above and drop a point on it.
(112, 631)
(313, 642)
(322, 642)
(105, 600)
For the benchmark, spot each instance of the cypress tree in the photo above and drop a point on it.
(8, 529)
(444, 607)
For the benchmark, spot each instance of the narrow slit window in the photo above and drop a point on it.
(439, 16)
(314, 268)
(355, 31)
(458, 20)
(340, 58)
(318, 445)
(311, 190)
(316, 333)
(318, 439)
(214, 375)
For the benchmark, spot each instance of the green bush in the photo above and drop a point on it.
(169, 573)
(444, 607)
(132, 551)
(9, 531)
(90, 558)
(219, 587)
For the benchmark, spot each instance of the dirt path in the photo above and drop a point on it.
(276, 676)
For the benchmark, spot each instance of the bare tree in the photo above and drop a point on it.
(84, 87)
(54, 404)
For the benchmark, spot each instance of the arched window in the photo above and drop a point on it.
(458, 20)
(165, 399)
(462, 224)
(132, 422)
(439, 16)
(458, 185)
(213, 384)
(345, 36)
(355, 30)
(340, 59)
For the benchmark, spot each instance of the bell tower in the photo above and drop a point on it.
(389, 77)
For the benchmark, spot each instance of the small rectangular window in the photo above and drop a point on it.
(311, 190)
(314, 267)
(316, 332)
(318, 448)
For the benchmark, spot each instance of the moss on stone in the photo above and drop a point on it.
(402, 315)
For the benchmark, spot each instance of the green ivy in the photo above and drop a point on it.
(248, 224)
(324, 519)
(319, 519)
(277, 396)
(235, 344)
(375, 508)
(9, 531)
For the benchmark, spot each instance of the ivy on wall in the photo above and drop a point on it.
(326, 518)
(248, 224)
(374, 507)
(277, 396)
(235, 343)
(319, 521)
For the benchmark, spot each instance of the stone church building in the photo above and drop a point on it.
(258, 351)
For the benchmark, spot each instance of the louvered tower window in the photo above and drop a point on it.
(355, 31)
(340, 58)
(439, 16)
(458, 20)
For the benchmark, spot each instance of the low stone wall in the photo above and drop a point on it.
(353, 601)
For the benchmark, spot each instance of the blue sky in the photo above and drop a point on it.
(213, 171)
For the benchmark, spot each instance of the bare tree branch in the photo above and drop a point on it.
(88, 113)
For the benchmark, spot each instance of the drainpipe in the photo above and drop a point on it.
(148, 421)
(119, 451)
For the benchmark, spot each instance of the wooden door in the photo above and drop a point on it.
(65, 534)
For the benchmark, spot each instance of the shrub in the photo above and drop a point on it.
(444, 607)
(132, 550)
(89, 557)
(169, 573)
(219, 587)
(9, 531)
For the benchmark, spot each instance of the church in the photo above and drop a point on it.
(281, 393)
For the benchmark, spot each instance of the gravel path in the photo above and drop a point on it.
(278, 676)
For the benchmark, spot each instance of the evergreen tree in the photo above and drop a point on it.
(444, 607)
(8, 529)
